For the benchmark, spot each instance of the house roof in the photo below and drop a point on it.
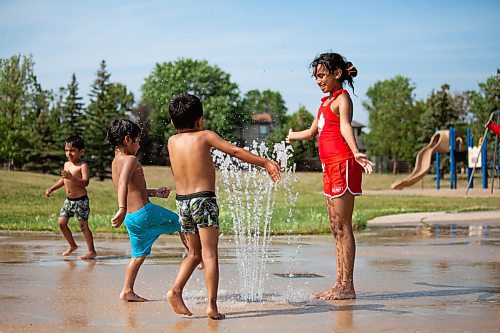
(262, 118)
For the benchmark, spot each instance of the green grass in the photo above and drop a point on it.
(24, 207)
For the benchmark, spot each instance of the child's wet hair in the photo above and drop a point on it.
(75, 141)
(333, 61)
(119, 129)
(184, 110)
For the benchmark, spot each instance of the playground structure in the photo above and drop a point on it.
(444, 142)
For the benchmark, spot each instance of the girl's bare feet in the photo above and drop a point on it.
(344, 291)
(328, 293)
(214, 314)
(177, 303)
(70, 250)
(88, 255)
(130, 296)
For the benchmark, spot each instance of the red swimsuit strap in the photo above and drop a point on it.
(334, 96)
(338, 93)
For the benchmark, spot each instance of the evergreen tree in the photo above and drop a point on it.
(107, 102)
(72, 111)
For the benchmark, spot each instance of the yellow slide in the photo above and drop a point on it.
(440, 143)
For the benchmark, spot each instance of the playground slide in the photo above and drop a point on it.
(440, 142)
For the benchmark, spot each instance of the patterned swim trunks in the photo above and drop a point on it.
(197, 210)
(79, 206)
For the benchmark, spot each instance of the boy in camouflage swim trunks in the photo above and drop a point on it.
(75, 178)
(194, 173)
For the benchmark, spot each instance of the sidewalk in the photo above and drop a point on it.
(490, 216)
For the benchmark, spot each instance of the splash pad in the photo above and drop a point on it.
(250, 201)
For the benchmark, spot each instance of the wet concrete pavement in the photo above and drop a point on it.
(418, 278)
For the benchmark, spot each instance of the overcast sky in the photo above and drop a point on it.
(261, 44)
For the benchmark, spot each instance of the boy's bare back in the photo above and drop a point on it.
(191, 161)
(127, 169)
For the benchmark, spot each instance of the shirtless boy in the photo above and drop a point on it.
(194, 174)
(74, 178)
(145, 221)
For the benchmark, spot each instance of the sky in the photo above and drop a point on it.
(261, 44)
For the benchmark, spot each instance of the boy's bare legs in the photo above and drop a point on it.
(174, 295)
(128, 294)
(89, 239)
(209, 252)
(345, 244)
(63, 225)
(184, 242)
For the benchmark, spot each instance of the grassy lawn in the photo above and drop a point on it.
(24, 207)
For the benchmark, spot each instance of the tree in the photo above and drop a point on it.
(146, 154)
(483, 102)
(107, 102)
(266, 101)
(440, 113)
(393, 119)
(72, 111)
(299, 121)
(271, 102)
(16, 88)
(220, 97)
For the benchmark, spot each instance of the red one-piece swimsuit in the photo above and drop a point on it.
(341, 172)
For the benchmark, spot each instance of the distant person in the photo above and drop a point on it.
(145, 221)
(194, 173)
(494, 127)
(75, 179)
(341, 160)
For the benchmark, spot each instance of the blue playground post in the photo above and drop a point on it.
(453, 165)
(438, 172)
(484, 161)
(470, 143)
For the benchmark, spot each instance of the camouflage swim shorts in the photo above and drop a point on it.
(79, 206)
(197, 210)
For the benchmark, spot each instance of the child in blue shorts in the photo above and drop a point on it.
(144, 220)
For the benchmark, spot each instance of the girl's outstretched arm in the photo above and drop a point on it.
(307, 134)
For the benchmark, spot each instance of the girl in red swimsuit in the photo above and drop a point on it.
(342, 163)
(494, 127)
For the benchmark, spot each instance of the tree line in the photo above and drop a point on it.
(35, 121)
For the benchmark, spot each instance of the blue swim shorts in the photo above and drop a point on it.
(147, 224)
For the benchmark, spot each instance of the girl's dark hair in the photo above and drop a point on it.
(119, 129)
(333, 61)
(184, 110)
(75, 141)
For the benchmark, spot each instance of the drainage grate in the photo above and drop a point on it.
(298, 275)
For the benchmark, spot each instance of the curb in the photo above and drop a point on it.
(491, 216)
